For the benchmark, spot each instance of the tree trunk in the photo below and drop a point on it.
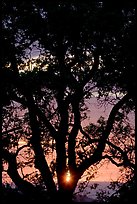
(65, 196)
(67, 188)
(40, 161)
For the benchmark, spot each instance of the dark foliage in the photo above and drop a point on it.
(56, 55)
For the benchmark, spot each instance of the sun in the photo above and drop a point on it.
(68, 176)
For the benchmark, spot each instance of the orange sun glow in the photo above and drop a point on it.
(68, 176)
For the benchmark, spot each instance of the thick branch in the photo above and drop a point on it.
(88, 137)
(20, 148)
(126, 161)
(123, 163)
(61, 140)
(73, 134)
(63, 111)
(40, 160)
(110, 122)
(12, 171)
(97, 155)
(113, 161)
(47, 123)
(39, 113)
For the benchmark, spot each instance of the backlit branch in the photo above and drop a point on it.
(73, 134)
(20, 148)
(39, 113)
(12, 171)
(126, 161)
(87, 136)
(112, 160)
(97, 155)
(40, 161)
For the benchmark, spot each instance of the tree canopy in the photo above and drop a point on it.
(57, 56)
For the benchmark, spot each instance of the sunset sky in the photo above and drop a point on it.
(108, 171)
(68, 101)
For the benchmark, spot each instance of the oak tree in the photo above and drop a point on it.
(57, 56)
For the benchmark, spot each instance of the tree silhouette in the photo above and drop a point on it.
(86, 50)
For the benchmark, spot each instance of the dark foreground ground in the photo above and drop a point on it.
(14, 197)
